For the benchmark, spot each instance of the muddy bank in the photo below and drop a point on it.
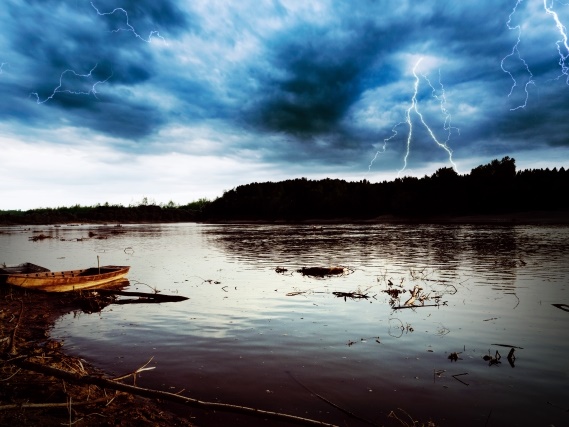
(30, 398)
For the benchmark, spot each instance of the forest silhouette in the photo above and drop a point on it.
(492, 189)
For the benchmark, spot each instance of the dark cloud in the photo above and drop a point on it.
(316, 75)
(56, 36)
(144, 16)
(301, 74)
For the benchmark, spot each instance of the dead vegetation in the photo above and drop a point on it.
(39, 237)
(424, 289)
(407, 420)
(30, 397)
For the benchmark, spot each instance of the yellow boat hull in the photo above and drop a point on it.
(64, 281)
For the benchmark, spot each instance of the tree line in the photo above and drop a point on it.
(144, 212)
(494, 188)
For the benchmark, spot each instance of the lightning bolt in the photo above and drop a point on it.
(562, 49)
(385, 141)
(515, 52)
(447, 122)
(58, 89)
(2, 66)
(130, 27)
(562, 43)
(409, 122)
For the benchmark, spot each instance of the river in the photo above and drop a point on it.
(292, 343)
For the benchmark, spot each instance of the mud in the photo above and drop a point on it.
(29, 398)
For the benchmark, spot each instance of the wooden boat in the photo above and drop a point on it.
(33, 277)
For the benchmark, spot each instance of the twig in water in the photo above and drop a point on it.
(351, 295)
(514, 294)
(507, 345)
(414, 423)
(133, 374)
(417, 306)
(458, 379)
(136, 282)
(351, 414)
(488, 419)
(563, 307)
(292, 294)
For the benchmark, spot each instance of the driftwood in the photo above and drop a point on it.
(415, 306)
(51, 405)
(153, 296)
(156, 394)
(507, 345)
(563, 307)
(94, 300)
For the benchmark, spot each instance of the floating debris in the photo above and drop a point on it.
(493, 360)
(352, 295)
(454, 356)
(402, 328)
(350, 342)
(508, 345)
(563, 307)
(417, 296)
(458, 375)
(323, 271)
(294, 293)
(40, 237)
(511, 358)
(394, 293)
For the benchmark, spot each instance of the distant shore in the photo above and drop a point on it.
(516, 218)
(512, 218)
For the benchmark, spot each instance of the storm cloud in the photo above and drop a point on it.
(288, 88)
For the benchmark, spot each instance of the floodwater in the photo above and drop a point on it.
(290, 343)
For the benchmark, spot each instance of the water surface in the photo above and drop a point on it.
(254, 337)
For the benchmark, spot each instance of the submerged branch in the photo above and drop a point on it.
(153, 296)
(157, 394)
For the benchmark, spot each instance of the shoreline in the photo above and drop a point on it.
(29, 397)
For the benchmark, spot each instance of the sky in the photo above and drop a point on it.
(113, 101)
